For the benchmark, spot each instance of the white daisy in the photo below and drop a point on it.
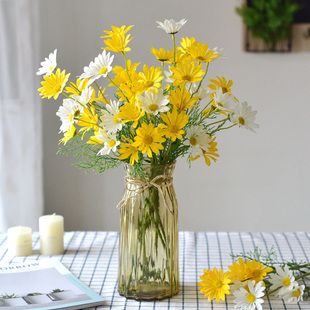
(110, 121)
(153, 103)
(48, 65)
(167, 75)
(101, 66)
(69, 110)
(224, 101)
(198, 140)
(85, 96)
(295, 295)
(110, 142)
(283, 280)
(250, 299)
(203, 92)
(244, 116)
(219, 51)
(171, 26)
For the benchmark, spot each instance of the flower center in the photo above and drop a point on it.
(218, 284)
(200, 58)
(187, 78)
(112, 143)
(153, 107)
(149, 83)
(77, 113)
(241, 120)
(57, 88)
(250, 298)
(51, 68)
(224, 90)
(256, 273)
(297, 293)
(193, 140)
(148, 139)
(103, 71)
(286, 281)
(174, 128)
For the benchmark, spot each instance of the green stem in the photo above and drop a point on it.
(117, 87)
(102, 93)
(174, 50)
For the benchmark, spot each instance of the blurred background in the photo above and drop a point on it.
(260, 181)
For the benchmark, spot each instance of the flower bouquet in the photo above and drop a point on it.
(158, 115)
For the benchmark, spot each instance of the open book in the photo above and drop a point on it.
(43, 285)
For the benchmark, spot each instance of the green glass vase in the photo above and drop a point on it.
(148, 243)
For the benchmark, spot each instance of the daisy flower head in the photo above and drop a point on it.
(295, 295)
(129, 112)
(109, 119)
(171, 26)
(238, 271)
(150, 78)
(201, 92)
(174, 124)
(153, 103)
(127, 150)
(149, 139)
(161, 54)
(256, 270)
(68, 112)
(201, 52)
(224, 101)
(68, 135)
(220, 83)
(100, 67)
(215, 284)
(250, 299)
(187, 72)
(85, 96)
(109, 140)
(244, 117)
(283, 280)
(185, 44)
(182, 99)
(48, 65)
(53, 85)
(198, 140)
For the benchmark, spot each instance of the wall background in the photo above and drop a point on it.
(260, 182)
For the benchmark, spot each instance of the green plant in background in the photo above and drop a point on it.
(7, 296)
(270, 20)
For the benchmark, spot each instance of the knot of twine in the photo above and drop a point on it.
(156, 182)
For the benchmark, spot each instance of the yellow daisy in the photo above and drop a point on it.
(186, 43)
(201, 52)
(161, 54)
(211, 153)
(150, 77)
(257, 271)
(117, 41)
(220, 83)
(174, 124)
(149, 139)
(53, 85)
(179, 58)
(88, 120)
(182, 99)
(238, 271)
(128, 150)
(68, 135)
(215, 284)
(76, 89)
(186, 73)
(129, 112)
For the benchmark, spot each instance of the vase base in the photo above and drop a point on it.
(147, 295)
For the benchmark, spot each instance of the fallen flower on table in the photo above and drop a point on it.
(254, 276)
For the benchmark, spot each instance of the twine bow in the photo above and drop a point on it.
(165, 182)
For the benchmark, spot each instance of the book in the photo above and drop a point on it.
(43, 285)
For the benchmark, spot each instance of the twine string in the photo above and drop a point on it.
(165, 182)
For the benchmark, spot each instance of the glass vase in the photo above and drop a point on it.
(148, 244)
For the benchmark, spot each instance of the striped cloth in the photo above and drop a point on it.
(93, 258)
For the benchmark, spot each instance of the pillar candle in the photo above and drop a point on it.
(51, 229)
(19, 241)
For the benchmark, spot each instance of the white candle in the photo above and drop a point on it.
(51, 229)
(19, 241)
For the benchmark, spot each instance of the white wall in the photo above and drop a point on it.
(260, 182)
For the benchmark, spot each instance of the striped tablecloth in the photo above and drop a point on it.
(93, 258)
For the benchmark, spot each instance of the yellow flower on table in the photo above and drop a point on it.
(257, 271)
(53, 85)
(149, 139)
(215, 284)
(174, 124)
